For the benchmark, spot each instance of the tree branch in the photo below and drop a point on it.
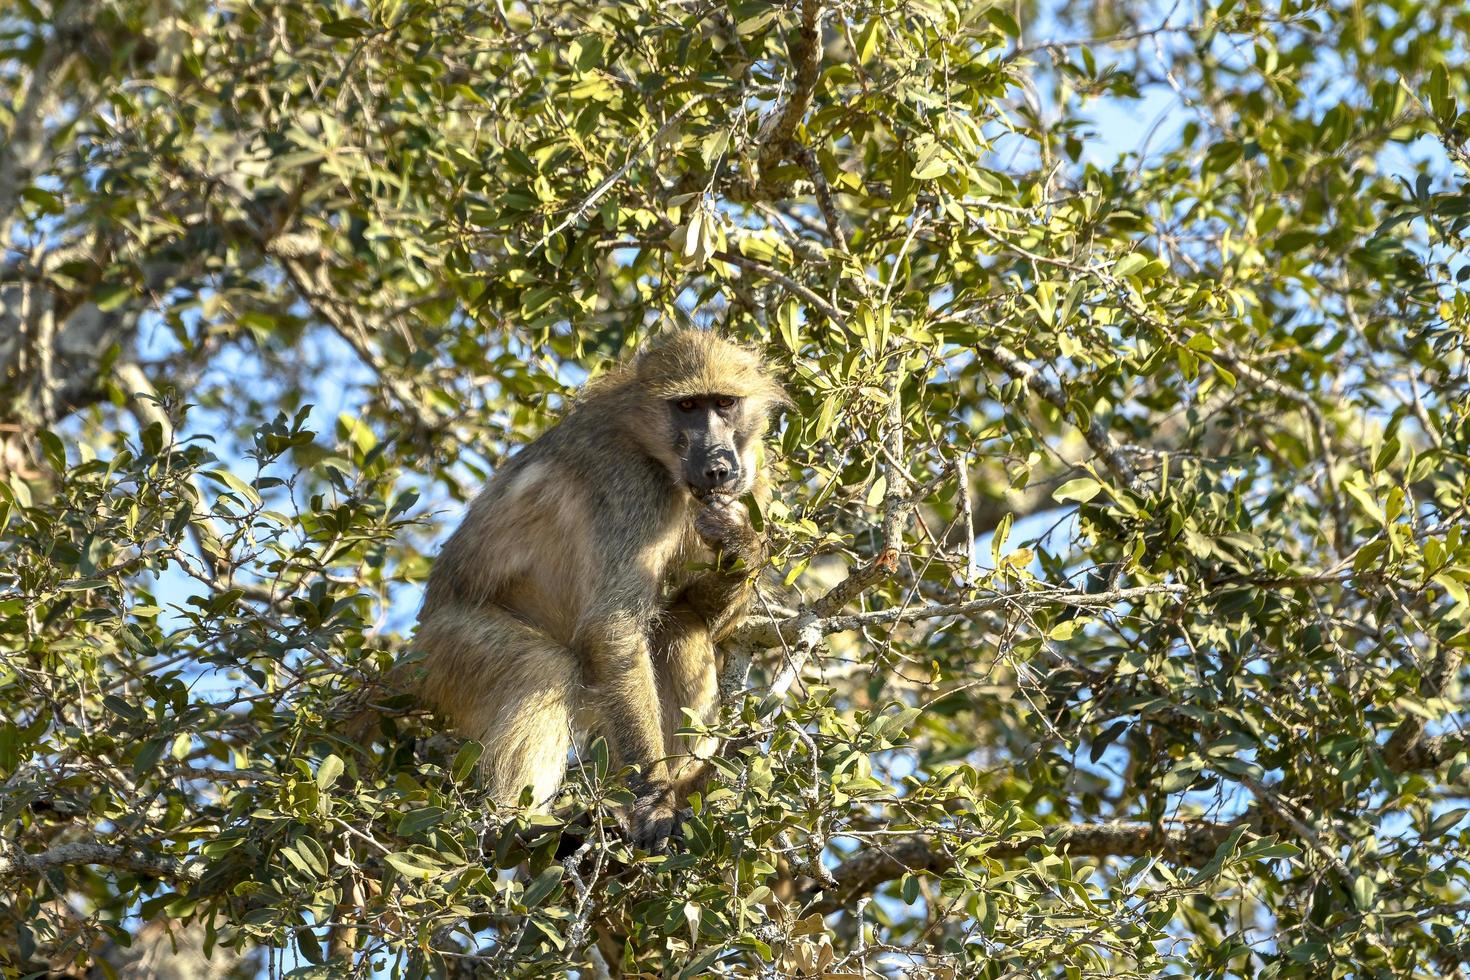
(796, 289)
(1112, 454)
(779, 137)
(18, 862)
(801, 634)
(1422, 753)
(826, 204)
(334, 312)
(898, 504)
(1097, 42)
(1407, 749)
(143, 404)
(793, 287)
(1191, 843)
(24, 145)
(1336, 500)
(611, 179)
(769, 633)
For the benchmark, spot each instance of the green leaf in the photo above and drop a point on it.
(931, 163)
(149, 755)
(1129, 264)
(412, 865)
(699, 965)
(1001, 18)
(1441, 824)
(347, 27)
(1295, 241)
(542, 886)
(111, 296)
(234, 483)
(1439, 94)
(1386, 455)
(415, 822)
(54, 449)
(1069, 303)
(1179, 778)
(327, 773)
(1364, 892)
(1453, 587)
(1223, 853)
(1365, 500)
(310, 946)
(315, 855)
(867, 39)
(998, 538)
(1262, 851)
(752, 26)
(465, 759)
(1082, 489)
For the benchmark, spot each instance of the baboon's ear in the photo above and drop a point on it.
(779, 402)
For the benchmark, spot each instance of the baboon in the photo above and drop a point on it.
(588, 583)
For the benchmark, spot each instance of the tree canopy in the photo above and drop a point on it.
(1120, 582)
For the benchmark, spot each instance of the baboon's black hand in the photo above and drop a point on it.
(652, 822)
(724, 524)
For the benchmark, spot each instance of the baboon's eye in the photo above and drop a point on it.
(686, 405)
(725, 402)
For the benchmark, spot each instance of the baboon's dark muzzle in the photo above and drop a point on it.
(712, 472)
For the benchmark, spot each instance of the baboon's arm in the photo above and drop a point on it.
(720, 595)
(615, 653)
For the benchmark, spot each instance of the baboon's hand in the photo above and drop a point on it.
(724, 524)
(653, 821)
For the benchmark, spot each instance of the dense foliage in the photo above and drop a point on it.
(1119, 593)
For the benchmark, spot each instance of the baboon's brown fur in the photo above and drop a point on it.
(563, 606)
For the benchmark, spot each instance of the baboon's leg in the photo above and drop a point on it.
(684, 660)
(509, 686)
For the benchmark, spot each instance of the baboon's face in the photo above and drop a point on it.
(712, 436)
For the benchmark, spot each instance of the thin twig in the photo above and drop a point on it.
(611, 179)
(1096, 435)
